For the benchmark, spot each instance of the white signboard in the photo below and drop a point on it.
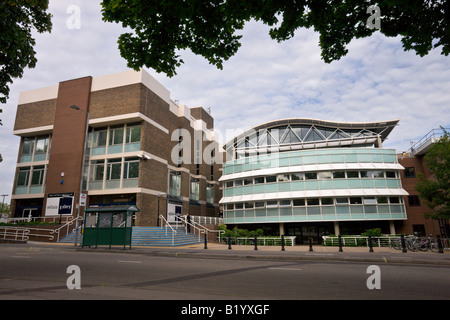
(83, 200)
(59, 203)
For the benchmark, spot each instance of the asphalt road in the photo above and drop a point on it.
(30, 273)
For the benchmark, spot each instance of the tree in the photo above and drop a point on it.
(17, 20)
(436, 192)
(208, 28)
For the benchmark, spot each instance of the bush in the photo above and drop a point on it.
(375, 232)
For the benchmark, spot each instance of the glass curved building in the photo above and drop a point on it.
(310, 177)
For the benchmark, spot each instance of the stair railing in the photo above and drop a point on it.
(201, 228)
(162, 219)
(67, 226)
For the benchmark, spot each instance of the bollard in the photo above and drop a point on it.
(229, 243)
(310, 245)
(256, 243)
(370, 244)
(439, 243)
(402, 238)
(340, 243)
(206, 241)
(282, 242)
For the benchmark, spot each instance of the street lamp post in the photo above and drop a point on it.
(82, 170)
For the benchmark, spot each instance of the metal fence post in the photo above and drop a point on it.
(402, 238)
(282, 242)
(439, 243)
(340, 243)
(206, 241)
(310, 245)
(370, 244)
(256, 243)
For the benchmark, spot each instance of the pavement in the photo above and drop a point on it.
(290, 253)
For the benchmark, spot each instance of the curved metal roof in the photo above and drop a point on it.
(383, 128)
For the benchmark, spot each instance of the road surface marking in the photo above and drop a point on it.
(129, 261)
(281, 268)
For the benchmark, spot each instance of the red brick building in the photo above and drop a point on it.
(138, 143)
(414, 164)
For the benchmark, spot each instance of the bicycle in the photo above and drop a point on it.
(428, 244)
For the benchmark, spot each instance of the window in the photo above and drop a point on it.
(297, 176)
(100, 137)
(174, 183)
(195, 189)
(271, 179)
(327, 201)
(133, 133)
(27, 146)
(382, 200)
(238, 183)
(378, 174)
(285, 203)
(341, 200)
(41, 144)
(311, 175)
(352, 174)
(248, 205)
(113, 169)
(283, 177)
(355, 200)
(414, 201)
(209, 193)
(299, 202)
(23, 176)
(370, 200)
(410, 172)
(116, 135)
(259, 180)
(131, 168)
(366, 174)
(271, 204)
(229, 184)
(339, 175)
(313, 202)
(248, 181)
(239, 205)
(390, 174)
(98, 168)
(324, 175)
(259, 204)
(37, 177)
(394, 199)
(229, 206)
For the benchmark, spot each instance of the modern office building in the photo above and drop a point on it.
(137, 150)
(308, 177)
(413, 160)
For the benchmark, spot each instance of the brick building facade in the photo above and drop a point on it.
(142, 149)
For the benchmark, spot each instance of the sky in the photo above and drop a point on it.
(266, 80)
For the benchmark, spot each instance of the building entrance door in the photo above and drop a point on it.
(29, 212)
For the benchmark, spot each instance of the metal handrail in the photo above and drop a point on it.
(67, 224)
(161, 218)
(19, 234)
(200, 227)
(193, 224)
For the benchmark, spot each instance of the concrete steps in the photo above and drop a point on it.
(150, 236)
(156, 236)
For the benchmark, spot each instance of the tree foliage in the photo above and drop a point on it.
(208, 28)
(18, 18)
(436, 192)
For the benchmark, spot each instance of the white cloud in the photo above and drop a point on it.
(264, 81)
